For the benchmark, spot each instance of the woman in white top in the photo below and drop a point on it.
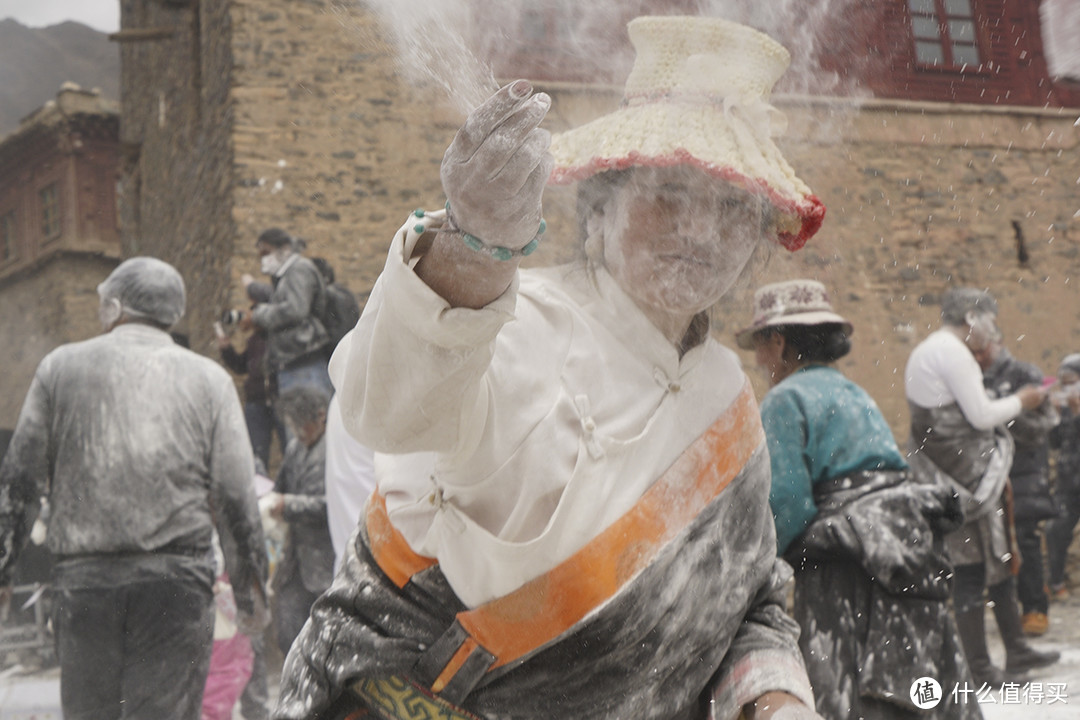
(958, 436)
(571, 516)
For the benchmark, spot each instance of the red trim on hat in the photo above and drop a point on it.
(811, 210)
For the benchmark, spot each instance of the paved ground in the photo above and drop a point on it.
(1051, 694)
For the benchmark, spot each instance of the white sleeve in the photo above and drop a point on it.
(350, 479)
(411, 375)
(964, 379)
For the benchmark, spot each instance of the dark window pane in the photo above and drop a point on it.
(8, 239)
(925, 7)
(50, 212)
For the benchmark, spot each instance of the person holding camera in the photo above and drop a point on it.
(260, 387)
(297, 339)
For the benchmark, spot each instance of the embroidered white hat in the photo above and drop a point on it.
(697, 95)
(792, 302)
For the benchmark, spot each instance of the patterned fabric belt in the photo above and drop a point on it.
(511, 627)
(398, 698)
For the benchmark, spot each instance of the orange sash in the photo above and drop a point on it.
(544, 608)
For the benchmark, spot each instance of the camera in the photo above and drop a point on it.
(231, 317)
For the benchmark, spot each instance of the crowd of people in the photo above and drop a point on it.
(581, 509)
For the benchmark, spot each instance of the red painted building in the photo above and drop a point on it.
(58, 232)
(959, 51)
(956, 51)
(58, 181)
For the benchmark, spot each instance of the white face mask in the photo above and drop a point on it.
(270, 263)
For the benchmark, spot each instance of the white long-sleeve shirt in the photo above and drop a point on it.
(941, 370)
(507, 437)
(350, 479)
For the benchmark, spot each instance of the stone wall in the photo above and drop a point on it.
(922, 198)
(332, 143)
(176, 136)
(55, 303)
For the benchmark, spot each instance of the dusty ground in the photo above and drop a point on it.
(1052, 693)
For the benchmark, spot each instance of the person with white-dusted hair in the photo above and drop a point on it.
(141, 448)
(958, 436)
(571, 515)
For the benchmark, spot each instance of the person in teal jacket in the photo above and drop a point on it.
(871, 577)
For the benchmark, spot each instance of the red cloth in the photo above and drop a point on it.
(230, 669)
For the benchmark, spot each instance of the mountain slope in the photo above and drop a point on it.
(35, 61)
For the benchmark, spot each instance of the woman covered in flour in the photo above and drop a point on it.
(571, 517)
(866, 540)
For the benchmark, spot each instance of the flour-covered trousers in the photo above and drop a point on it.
(139, 651)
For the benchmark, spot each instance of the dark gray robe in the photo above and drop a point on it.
(697, 633)
(871, 596)
(975, 464)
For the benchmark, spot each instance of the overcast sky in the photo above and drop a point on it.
(103, 15)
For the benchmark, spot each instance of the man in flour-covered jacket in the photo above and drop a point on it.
(140, 447)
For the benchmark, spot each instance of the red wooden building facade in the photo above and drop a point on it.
(58, 186)
(957, 51)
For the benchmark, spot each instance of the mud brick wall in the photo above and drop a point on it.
(331, 142)
(328, 139)
(922, 198)
(175, 132)
(56, 303)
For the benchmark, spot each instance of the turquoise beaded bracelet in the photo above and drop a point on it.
(474, 243)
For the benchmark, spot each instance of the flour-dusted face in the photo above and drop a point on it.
(983, 331)
(676, 239)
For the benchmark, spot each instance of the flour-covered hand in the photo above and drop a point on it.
(495, 170)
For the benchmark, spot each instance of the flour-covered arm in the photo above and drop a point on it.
(942, 370)
(22, 476)
(764, 657)
(236, 512)
(964, 378)
(410, 372)
(292, 299)
(410, 375)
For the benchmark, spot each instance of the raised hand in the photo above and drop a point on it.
(495, 170)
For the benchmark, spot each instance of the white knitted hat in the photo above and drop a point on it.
(697, 95)
(792, 302)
